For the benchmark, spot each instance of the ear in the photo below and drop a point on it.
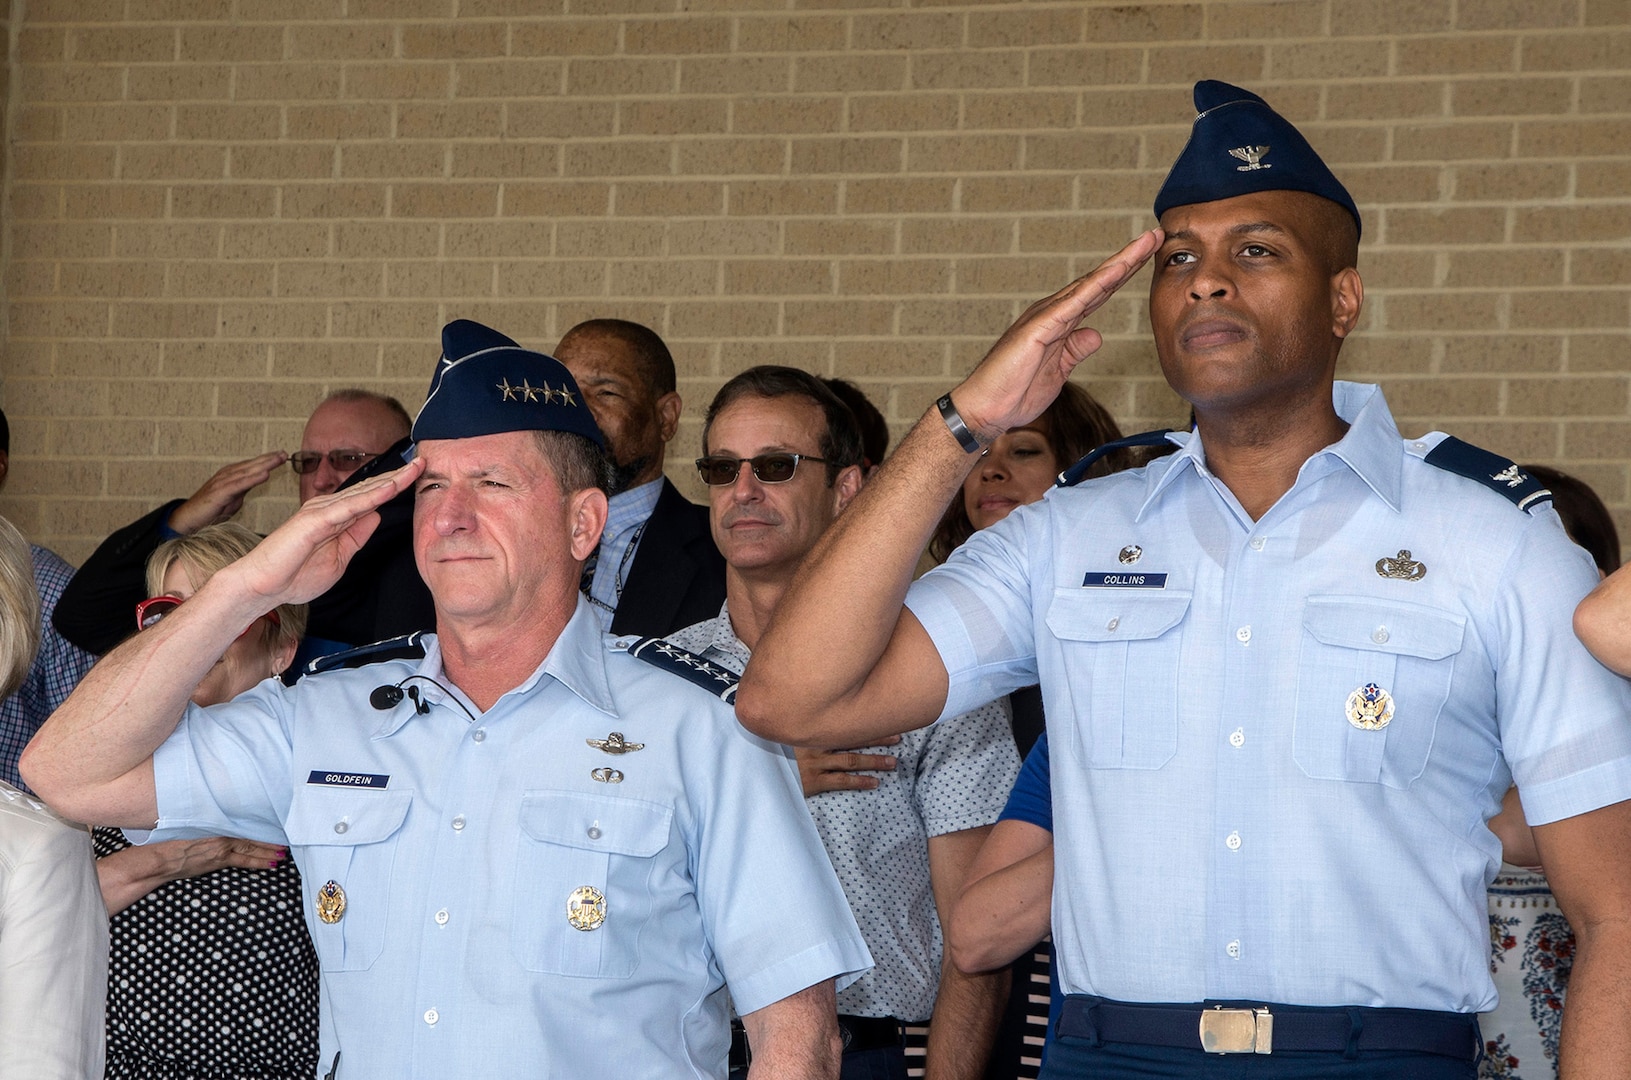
(5, 466)
(668, 414)
(283, 655)
(586, 513)
(1347, 297)
(847, 485)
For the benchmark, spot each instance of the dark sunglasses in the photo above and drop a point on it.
(718, 470)
(154, 608)
(343, 461)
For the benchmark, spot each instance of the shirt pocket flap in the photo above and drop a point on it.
(344, 817)
(596, 822)
(1115, 615)
(1404, 629)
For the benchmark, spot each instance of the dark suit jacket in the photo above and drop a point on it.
(677, 577)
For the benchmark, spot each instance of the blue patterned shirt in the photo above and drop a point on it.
(57, 669)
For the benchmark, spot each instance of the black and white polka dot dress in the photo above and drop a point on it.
(212, 978)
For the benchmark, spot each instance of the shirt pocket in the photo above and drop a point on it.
(572, 841)
(348, 837)
(1350, 642)
(1120, 651)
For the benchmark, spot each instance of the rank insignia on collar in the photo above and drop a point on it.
(695, 669)
(330, 902)
(1370, 708)
(615, 744)
(1130, 554)
(1401, 567)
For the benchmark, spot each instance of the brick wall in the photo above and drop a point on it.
(218, 210)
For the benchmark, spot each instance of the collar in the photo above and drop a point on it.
(577, 661)
(627, 509)
(1371, 447)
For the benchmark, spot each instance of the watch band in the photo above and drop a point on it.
(959, 430)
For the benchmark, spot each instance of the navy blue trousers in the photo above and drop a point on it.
(1078, 1059)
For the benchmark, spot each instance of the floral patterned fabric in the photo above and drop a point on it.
(1531, 955)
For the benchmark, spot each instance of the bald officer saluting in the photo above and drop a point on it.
(527, 852)
(1289, 670)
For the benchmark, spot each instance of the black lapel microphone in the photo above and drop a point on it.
(389, 697)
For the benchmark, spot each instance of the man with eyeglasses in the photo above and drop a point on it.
(656, 569)
(782, 459)
(347, 431)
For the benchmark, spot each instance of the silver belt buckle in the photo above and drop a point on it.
(1237, 1031)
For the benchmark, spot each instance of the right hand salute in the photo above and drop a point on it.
(1025, 369)
(223, 494)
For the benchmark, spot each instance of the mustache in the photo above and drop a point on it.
(759, 516)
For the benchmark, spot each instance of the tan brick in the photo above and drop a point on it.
(792, 277)
(1510, 181)
(231, 43)
(1345, 144)
(41, 45)
(736, 75)
(1600, 266)
(1276, 18)
(32, 279)
(462, 39)
(180, 82)
(127, 44)
(852, 154)
(63, 162)
(164, 319)
(673, 116)
(397, 81)
(1602, 179)
(903, 112)
(508, 79)
(853, 73)
(684, 35)
(562, 37)
(324, 359)
(127, 279)
(735, 236)
(1384, 269)
(791, 33)
(1578, 395)
(903, 195)
(333, 200)
(57, 397)
(450, 120)
(559, 119)
(915, 30)
(1083, 149)
(1237, 63)
(821, 237)
(222, 201)
(1369, 356)
(1024, 276)
(1077, 232)
(279, 319)
(1444, 397)
(115, 123)
(731, 157)
(1590, 439)
(159, 398)
(1587, 223)
(1597, 352)
(34, 202)
(38, 123)
(1513, 266)
(1510, 97)
(1571, 310)
(342, 41)
(401, 9)
(1518, 14)
(894, 277)
(372, 320)
(1093, 66)
(734, 318)
(412, 159)
(668, 278)
(171, 240)
(89, 358)
(338, 121)
(102, 437)
(1452, 142)
(963, 153)
(667, 199)
(1136, 107)
(809, 355)
(393, 239)
(233, 439)
(75, 82)
(1384, 101)
(1608, 94)
(1046, 109)
(443, 200)
(259, 399)
(287, 82)
(604, 78)
(57, 319)
(556, 199)
(477, 240)
(274, 240)
(28, 477)
(546, 280)
(438, 279)
(133, 201)
(1581, 138)
(965, 69)
(179, 10)
(504, 159)
(1394, 183)
(330, 279)
(986, 194)
(61, 241)
(1143, 22)
(523, 321)
(1021, 27)
(282, 161)
(221, 122)
(1480, 354)
(293, 10)
(1442, 311)
(618, 158)
(1585, 51)
(827, 319)
(1460, 54)
(759, 198)
(987, 235)
(793, 114)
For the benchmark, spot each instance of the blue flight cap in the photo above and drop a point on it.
(1239, 145)
(486, 384)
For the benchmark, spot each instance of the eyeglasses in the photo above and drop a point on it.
(155, 608)
(343, 461)
(718, 470)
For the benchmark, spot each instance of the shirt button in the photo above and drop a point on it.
(1232, 841)
(1244, 635)
(1379, 635)
(480, 734)
(441, 917)
(340, 826)
(458, 823)
(594, 832)
(431, 1016)
(1113, 623)
(1233, 949)
(1419, 446)
(1237, 738)
(1257, 543)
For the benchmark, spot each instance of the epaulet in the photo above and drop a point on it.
(1492, 470)
(662, 653)
(406, 647)
(1077, 472)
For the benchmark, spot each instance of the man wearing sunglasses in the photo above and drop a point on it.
(782, 459)
(529, 849)
(349, 429)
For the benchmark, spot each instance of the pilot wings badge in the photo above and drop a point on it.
(1252, 156)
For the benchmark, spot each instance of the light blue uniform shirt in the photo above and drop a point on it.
(458, 842)
(1223, 831)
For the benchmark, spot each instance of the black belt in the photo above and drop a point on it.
(1248, 1027)
(859, 1033)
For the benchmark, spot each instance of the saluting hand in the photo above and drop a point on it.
(1025, 369)
(223, 494)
